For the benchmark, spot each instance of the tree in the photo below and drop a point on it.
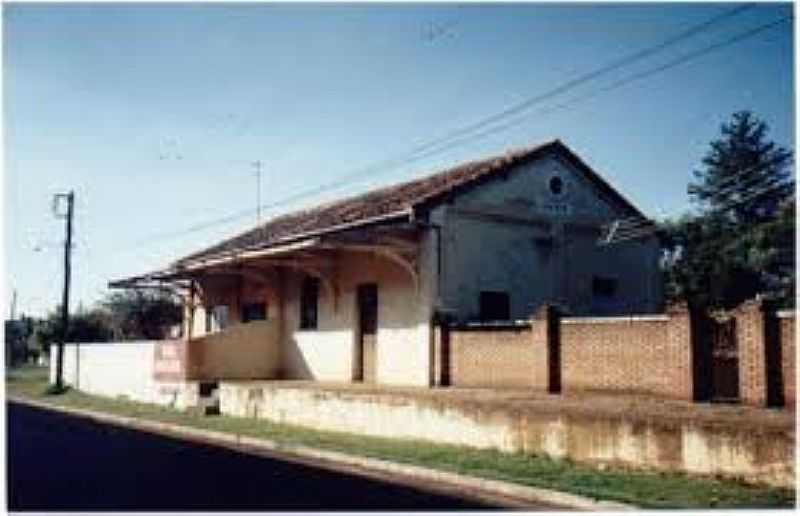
(745, 176)
(127, 315)
(741, 242)
(84, 326)
(142, 314)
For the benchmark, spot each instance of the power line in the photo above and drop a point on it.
(639, 232)
(582, 79)
(724, 191)
(729, 183)
(389, 164)
(617, 84)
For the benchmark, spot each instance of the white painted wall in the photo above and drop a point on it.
(403, 337)
(116, 369)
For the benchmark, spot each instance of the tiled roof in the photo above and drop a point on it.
(416, 194)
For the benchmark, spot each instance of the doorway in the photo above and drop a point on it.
(366, 333)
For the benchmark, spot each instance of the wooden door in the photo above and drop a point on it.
(724, 361)
(366, 353)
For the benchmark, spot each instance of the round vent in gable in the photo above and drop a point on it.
(557, 186)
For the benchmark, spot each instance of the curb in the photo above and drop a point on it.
(359, 464)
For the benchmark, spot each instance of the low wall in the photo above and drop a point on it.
(638, 354)
(494, 356)
(742, 449)
(626, 354)
(242, 351)
(120, 369)
(786, 324)
(666, 355)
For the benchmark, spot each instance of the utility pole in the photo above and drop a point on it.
(13, 305)
(70, 197)
(257, 165)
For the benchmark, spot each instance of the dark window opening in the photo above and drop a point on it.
(495, 306)
(308, 304)
(604, 287)
(254, 312)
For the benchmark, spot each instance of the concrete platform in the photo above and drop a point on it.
(583, 403)
(750, 443)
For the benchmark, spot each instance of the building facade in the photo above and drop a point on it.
(351, 290)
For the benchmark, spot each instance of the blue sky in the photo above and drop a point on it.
(153, 113)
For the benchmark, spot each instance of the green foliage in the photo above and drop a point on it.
(128, 315)
(742, 241)
(17, 333)
(745, 177)
(142, 314)
(84, 326)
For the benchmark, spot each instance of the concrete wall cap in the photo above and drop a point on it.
(494, 324)
(616, 319)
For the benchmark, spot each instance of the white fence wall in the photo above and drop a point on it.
(114, 369)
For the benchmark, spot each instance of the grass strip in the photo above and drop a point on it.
(645, 489)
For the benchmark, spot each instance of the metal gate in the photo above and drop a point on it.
(724, 360)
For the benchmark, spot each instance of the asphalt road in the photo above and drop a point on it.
(59, 462)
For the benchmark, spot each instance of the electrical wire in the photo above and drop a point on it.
(767, 189)
(725, 191)
(387, 165)
(586, 77)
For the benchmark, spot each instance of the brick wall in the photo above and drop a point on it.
(615, 355)
(540, 334)
(788, 358)
(663, 355)
(607, 354)
(750, 334)
(495, 356)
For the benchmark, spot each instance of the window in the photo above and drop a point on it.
(495, 306)
(216, 318)
(603, 287)
(308, 304)
(254, 312)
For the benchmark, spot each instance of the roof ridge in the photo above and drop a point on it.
(507, 156)
(424, 191)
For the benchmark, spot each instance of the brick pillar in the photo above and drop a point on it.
(545, 337)
(788, 360)
(682, 343)
(751, 340)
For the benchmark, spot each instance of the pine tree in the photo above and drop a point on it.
(741, 244)
(745, 176)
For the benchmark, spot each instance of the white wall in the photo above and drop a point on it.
(403, 338)
(115, 369)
